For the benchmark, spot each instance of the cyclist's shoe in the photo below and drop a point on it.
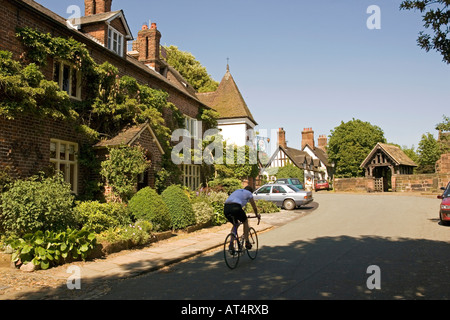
(248, 246)
(231, 250)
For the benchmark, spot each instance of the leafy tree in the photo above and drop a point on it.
(436, 18)
(349, 145)
(411, 153)
(238, 162)
(290, 171)
(191, 69)
(429, 152)
(121, 170)
(444, 142)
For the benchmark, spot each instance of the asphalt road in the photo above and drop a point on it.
(327, 254)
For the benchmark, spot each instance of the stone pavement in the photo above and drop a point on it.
(132, 263)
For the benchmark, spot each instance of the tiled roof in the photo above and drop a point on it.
(127, 136)
(227, 100)
(394, 152)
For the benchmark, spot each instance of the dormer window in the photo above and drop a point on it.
(115, 41)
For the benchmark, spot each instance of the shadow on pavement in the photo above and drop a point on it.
(324, 268)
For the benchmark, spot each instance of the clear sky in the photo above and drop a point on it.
(308, 64)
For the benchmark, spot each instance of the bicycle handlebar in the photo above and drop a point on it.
(253, 217)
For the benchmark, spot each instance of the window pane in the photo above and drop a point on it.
(56, 71)
(66, 79)
(72, 175)
(109, 39)
(71, 153)
(74, 83)
(52, 150)
(62, 152)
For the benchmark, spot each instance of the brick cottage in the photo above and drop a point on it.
(29, 144)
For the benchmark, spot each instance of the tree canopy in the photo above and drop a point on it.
(428, 153)
(191, 69)
(349, 145)
(436, 18)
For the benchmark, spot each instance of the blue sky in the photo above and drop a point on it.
(308, 64)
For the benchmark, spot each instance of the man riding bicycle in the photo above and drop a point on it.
(234, 209)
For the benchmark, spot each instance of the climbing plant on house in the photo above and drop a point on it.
(109, 103)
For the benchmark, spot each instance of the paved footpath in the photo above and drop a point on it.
(154, 257)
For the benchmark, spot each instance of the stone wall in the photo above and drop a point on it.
(354, 184)
(420, 182)
(443, 164)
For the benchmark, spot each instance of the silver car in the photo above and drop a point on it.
(285, 196)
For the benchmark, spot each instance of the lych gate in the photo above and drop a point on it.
(385, 161)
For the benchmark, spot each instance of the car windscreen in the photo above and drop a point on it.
(295, 181)
(447, 193)
(293, 188)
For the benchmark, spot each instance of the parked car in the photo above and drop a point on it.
(322, 185)
(285, 196)
(444, 214)
(292, 181)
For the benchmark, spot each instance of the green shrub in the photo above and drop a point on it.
(132, 234)
(180, 207)
(49, 248)
(98, 217)
(37, 204)
(263, 207)
(228, 185)
(217, 200)
(204, 212)
(148, 205)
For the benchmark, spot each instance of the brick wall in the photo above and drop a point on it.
(25, 145)
(25, 142)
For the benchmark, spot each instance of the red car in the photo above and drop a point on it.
(322, 185)
(444, 214)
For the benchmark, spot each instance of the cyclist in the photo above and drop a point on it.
(234, 208)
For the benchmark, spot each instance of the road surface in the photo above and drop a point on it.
(354, 246)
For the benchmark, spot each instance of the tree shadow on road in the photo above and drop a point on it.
(324, 268)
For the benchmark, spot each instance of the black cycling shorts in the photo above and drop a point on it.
(234, 210)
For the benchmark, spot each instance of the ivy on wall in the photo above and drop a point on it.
(110, 102)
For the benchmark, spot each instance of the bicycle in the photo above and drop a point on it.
(235, 246)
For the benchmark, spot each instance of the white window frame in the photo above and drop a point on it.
(70, 166)
(115, 41)
(74, 95)
(192, 125)
(192, 176)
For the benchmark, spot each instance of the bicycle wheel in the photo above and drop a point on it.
(253, 238)
(231, 251)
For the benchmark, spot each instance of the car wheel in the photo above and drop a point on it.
(289, 204)
(443, 222)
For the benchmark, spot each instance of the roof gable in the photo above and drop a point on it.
(128, 136)
(227, 100)
(107, 18)
(393, 152)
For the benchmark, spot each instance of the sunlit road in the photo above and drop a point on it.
(325, 255)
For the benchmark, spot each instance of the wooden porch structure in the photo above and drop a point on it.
(385, 161)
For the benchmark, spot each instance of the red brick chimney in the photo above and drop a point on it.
(92, 7)
(323, 142)
(282, 138)
(147, 44)
(308, 138)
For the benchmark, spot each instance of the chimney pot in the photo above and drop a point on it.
(153, 25)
